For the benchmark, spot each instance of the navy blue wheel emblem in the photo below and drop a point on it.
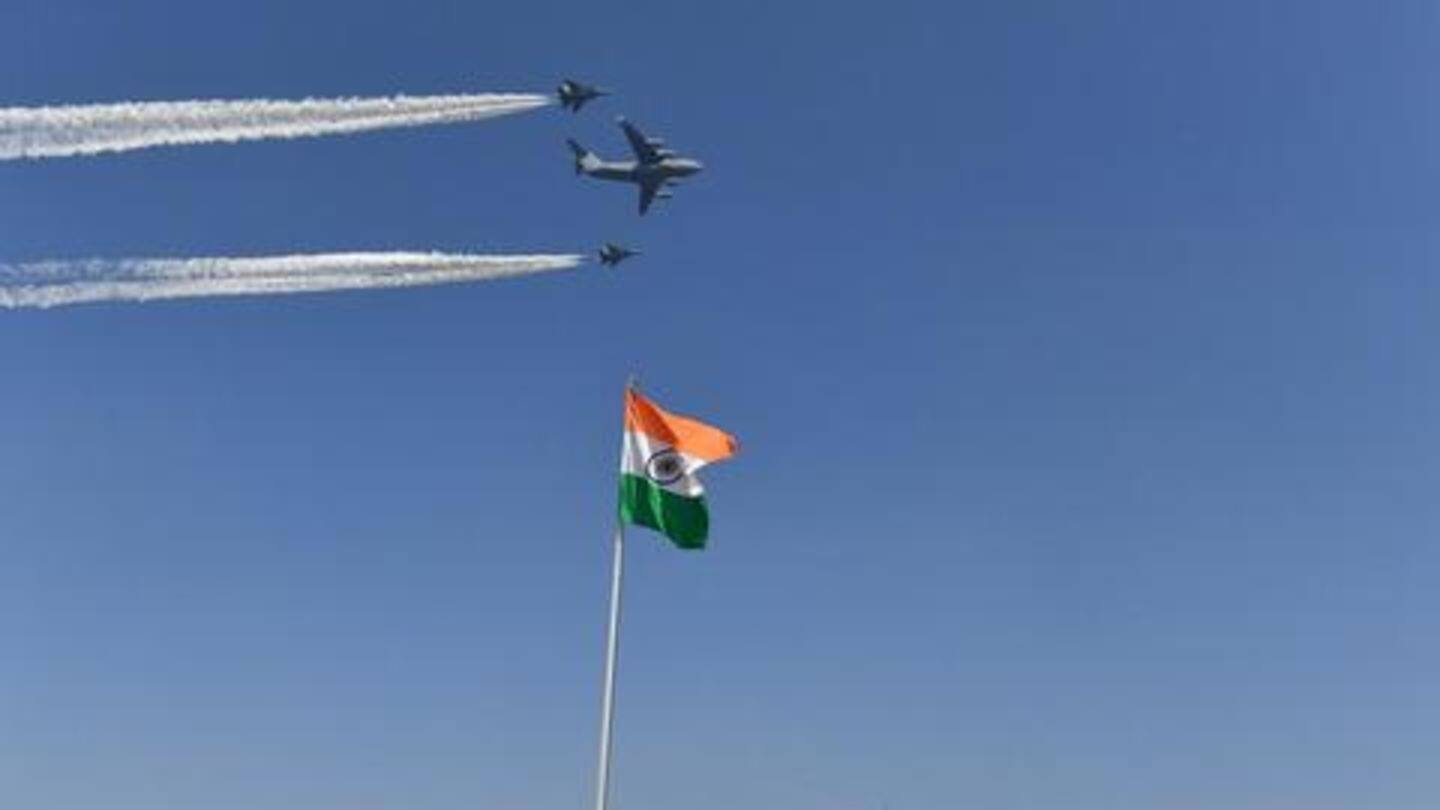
(665, 467)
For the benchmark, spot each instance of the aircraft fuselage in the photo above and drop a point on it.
(630, 171)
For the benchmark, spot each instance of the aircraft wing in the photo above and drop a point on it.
(644, 150)
(647, 195)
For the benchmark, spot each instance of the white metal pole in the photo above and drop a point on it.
(612, 655)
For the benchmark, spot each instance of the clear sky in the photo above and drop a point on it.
(1083, 355)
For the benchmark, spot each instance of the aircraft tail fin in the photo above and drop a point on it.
(585, 160)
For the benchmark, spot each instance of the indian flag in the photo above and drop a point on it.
(662, 453)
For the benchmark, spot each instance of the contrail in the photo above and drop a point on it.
(58, 283)
(40, 132)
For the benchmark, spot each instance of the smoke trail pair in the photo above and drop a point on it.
(39, 132)
(52, 283)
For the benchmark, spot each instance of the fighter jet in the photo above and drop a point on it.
(574, 95)
(612, 254)
(655, 169)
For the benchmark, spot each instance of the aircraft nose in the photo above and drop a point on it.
(696, 166)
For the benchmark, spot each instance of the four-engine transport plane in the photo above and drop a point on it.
(612, 254)
(655, 169)
(574, 95)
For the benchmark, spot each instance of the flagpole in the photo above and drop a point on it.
(612, 655)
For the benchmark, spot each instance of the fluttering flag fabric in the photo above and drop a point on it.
(662, 452)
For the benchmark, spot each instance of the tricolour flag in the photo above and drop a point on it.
(662, 453)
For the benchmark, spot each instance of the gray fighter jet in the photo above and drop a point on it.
(655, 169)
(612, 254)
(574, 95)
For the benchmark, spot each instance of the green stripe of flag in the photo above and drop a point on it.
(686, 521)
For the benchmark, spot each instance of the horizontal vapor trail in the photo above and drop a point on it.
(39, 132)
(58, 283)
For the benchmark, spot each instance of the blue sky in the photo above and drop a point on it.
(1082, 355)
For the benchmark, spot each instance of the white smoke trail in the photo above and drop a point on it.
(58, 283)
(39, 132)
